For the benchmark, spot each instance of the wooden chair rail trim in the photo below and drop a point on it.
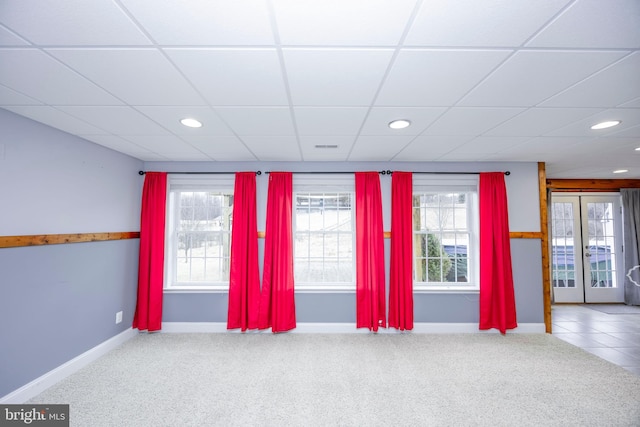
(57, 239)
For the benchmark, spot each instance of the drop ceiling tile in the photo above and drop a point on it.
(72, 22)
(506, 156)
(336, 77)
(631, 104)
(462, 156)
(538, 121)
(189, 157)
(484, 145)
(123, 146)
(530, 77)
(557, 168)
(170, 148)
(486, 23)
(629, 117)
(543, 145)
(629, 132)
(594, 24)
(115, 143)
(265, 121)
(221, 148)
(470, 121)
(429, 148)
(339, 154)
(616, 84)
(169, 118)
(614, 147)
(48, 81)
(342, 23)
(233, 76)
(8, 38)
(11, 97)
(132, 75)
(329, 120)
(55, 118)
(116, 120)
(378, 120)
(204, 22)
(162, 144)
(613, 154)
(421, 77)
(150, 157)
(274, 148)
(378, 148)
(542, 149)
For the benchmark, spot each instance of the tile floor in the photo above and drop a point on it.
(613, 337)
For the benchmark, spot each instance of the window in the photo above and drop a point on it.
(198, 243)
(445, 241)
(324, 233)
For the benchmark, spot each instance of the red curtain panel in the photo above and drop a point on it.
(244, 276)
(277, 300)
(401, 270)
(370, 280)
(497, 297)
(148, 315)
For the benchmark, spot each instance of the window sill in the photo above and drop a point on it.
(325, 290)
(197, 290)
(446, 290)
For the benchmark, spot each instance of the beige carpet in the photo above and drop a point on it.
(349, 380)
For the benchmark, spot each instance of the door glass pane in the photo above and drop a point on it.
(601, 250)
(563, 249)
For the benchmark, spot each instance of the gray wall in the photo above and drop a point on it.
(440, 307)
(58, 301)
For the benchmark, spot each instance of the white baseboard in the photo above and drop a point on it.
(350, 328)
(45, 381)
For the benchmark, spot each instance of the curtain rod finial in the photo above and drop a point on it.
(141, 172)
(507, 173)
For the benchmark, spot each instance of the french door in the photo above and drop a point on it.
(586, 235)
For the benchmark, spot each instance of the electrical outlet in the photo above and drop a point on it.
(118, 317)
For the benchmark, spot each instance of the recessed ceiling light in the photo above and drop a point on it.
(621, 171)
(399, 124)
(192, 123)
(604, 125)
(326, 146)
(638, 149)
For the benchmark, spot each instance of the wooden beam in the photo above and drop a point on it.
(57, 239)
(591, 184)
(544, 246)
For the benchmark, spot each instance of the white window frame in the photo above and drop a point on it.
(326, 183)
(454, 184)
(184, 182)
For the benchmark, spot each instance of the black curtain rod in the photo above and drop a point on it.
(389, 172)
(384, 172)
(199, 173)
(457, 173)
